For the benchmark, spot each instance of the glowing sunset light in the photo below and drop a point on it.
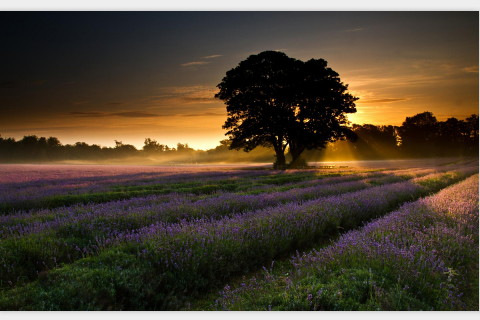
(142, 81)
(239, 160)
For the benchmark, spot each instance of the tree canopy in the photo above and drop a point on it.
(276, 101)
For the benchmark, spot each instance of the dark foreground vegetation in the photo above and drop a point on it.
(420, 136)
(196, 232)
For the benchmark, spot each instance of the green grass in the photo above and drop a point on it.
(121, 278)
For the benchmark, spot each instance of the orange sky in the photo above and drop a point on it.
(97, 78)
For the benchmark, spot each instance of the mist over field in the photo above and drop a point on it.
(420, 136)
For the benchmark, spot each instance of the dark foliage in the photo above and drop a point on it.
(423, 135)
(420, 136)
(276, 101)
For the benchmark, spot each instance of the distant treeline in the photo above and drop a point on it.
(419, 136)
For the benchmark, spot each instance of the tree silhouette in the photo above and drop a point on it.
(276, 101)
(419, 134)
(152, 146)
(471, 134)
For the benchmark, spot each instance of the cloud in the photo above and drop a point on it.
(128, 114)
(212, 56)
(471, 69)
(135, 114)
(194, 63)
(115, 103)
(199, 63)
(386, 100)
(204, 114)
(353, 30)
(185, 95)
(87, 114)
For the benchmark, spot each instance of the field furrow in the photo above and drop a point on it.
(423, 256)
(161, 266)
(133, 213)
(48, 193)
(31, 248)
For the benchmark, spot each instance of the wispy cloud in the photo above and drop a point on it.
(471, 69)
(86, 114)
(203, 114)
(185, 95)
(385, 100)
(194, 63)
(212, 56)
(201, 62)
(128, 114)
(353, 30)
(135, 114)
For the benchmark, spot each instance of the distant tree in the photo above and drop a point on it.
(118, 144)
(54, 148)
(53, 142)
(152, 146)
(7, 149)
(224, 145)
(451, 137)
(183, 147)
(28, 147)
(276, 101)
(471, 134)
(375, 142)
(124, 150)
(472, 125)
(419, 134)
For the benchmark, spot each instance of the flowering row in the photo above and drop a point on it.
(118, 216)
(63, 192)
(424, 256)
(182, 259)
(38, 242)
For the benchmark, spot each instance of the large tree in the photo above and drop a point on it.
(276, 101)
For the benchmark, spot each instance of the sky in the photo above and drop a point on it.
(97, 77)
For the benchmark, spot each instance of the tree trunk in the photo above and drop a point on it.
(280, 162)
(296, 160)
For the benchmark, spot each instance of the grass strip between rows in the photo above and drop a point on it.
(192, 187)
(46, 245)
(163, 266)
(423, 256)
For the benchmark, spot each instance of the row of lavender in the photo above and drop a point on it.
(40, 240)
(133, 212)
(15, 190)
(179, 260)
(424, 256)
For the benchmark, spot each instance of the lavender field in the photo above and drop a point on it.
(396, 235)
